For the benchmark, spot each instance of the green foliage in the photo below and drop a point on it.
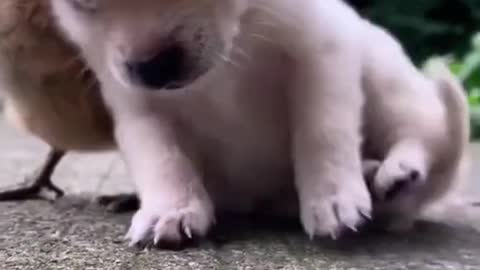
(467, 69)
(426, 27)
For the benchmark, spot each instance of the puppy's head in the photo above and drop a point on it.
(164, 44)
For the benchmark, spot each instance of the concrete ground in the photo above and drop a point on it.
(76, 234)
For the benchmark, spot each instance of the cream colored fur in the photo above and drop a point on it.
(272, 105)
(416, 124)
(282, 99)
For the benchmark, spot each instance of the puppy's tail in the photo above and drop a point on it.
(454, 97)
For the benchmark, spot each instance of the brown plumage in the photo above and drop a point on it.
(47, 89)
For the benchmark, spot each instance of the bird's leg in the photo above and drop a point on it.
(40, 186)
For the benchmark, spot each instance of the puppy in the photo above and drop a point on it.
(218, 104)
(416, 125)
(47, 89)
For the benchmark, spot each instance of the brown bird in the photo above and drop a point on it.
(47, 90)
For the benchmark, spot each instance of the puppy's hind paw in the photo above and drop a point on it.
(395, 178)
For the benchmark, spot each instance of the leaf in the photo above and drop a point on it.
(471, 64)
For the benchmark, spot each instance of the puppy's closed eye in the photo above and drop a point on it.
(88, 6)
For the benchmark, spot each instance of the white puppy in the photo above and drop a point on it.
(219, 103)
(416, 125)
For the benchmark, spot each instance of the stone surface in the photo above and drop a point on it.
(76, 234)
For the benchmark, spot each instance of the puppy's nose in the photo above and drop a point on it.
(165, 70)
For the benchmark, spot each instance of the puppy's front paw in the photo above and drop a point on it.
(330, 214)
(170, 226)
(394, 178)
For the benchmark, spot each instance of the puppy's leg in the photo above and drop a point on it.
(397, 182)
(174, 203)
(370, 169)
(404, 168)
(326, 143)
(41, 183)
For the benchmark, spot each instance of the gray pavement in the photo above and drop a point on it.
(76, 234)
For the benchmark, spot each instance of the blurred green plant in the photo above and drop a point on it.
(427, 27)
(468, 71)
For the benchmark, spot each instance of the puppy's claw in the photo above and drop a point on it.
(127, 236)
(352, 228)
(133, 239)
(156, 240)
(365, 214)
(333, 235)
(132, 244)
(188, 232)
